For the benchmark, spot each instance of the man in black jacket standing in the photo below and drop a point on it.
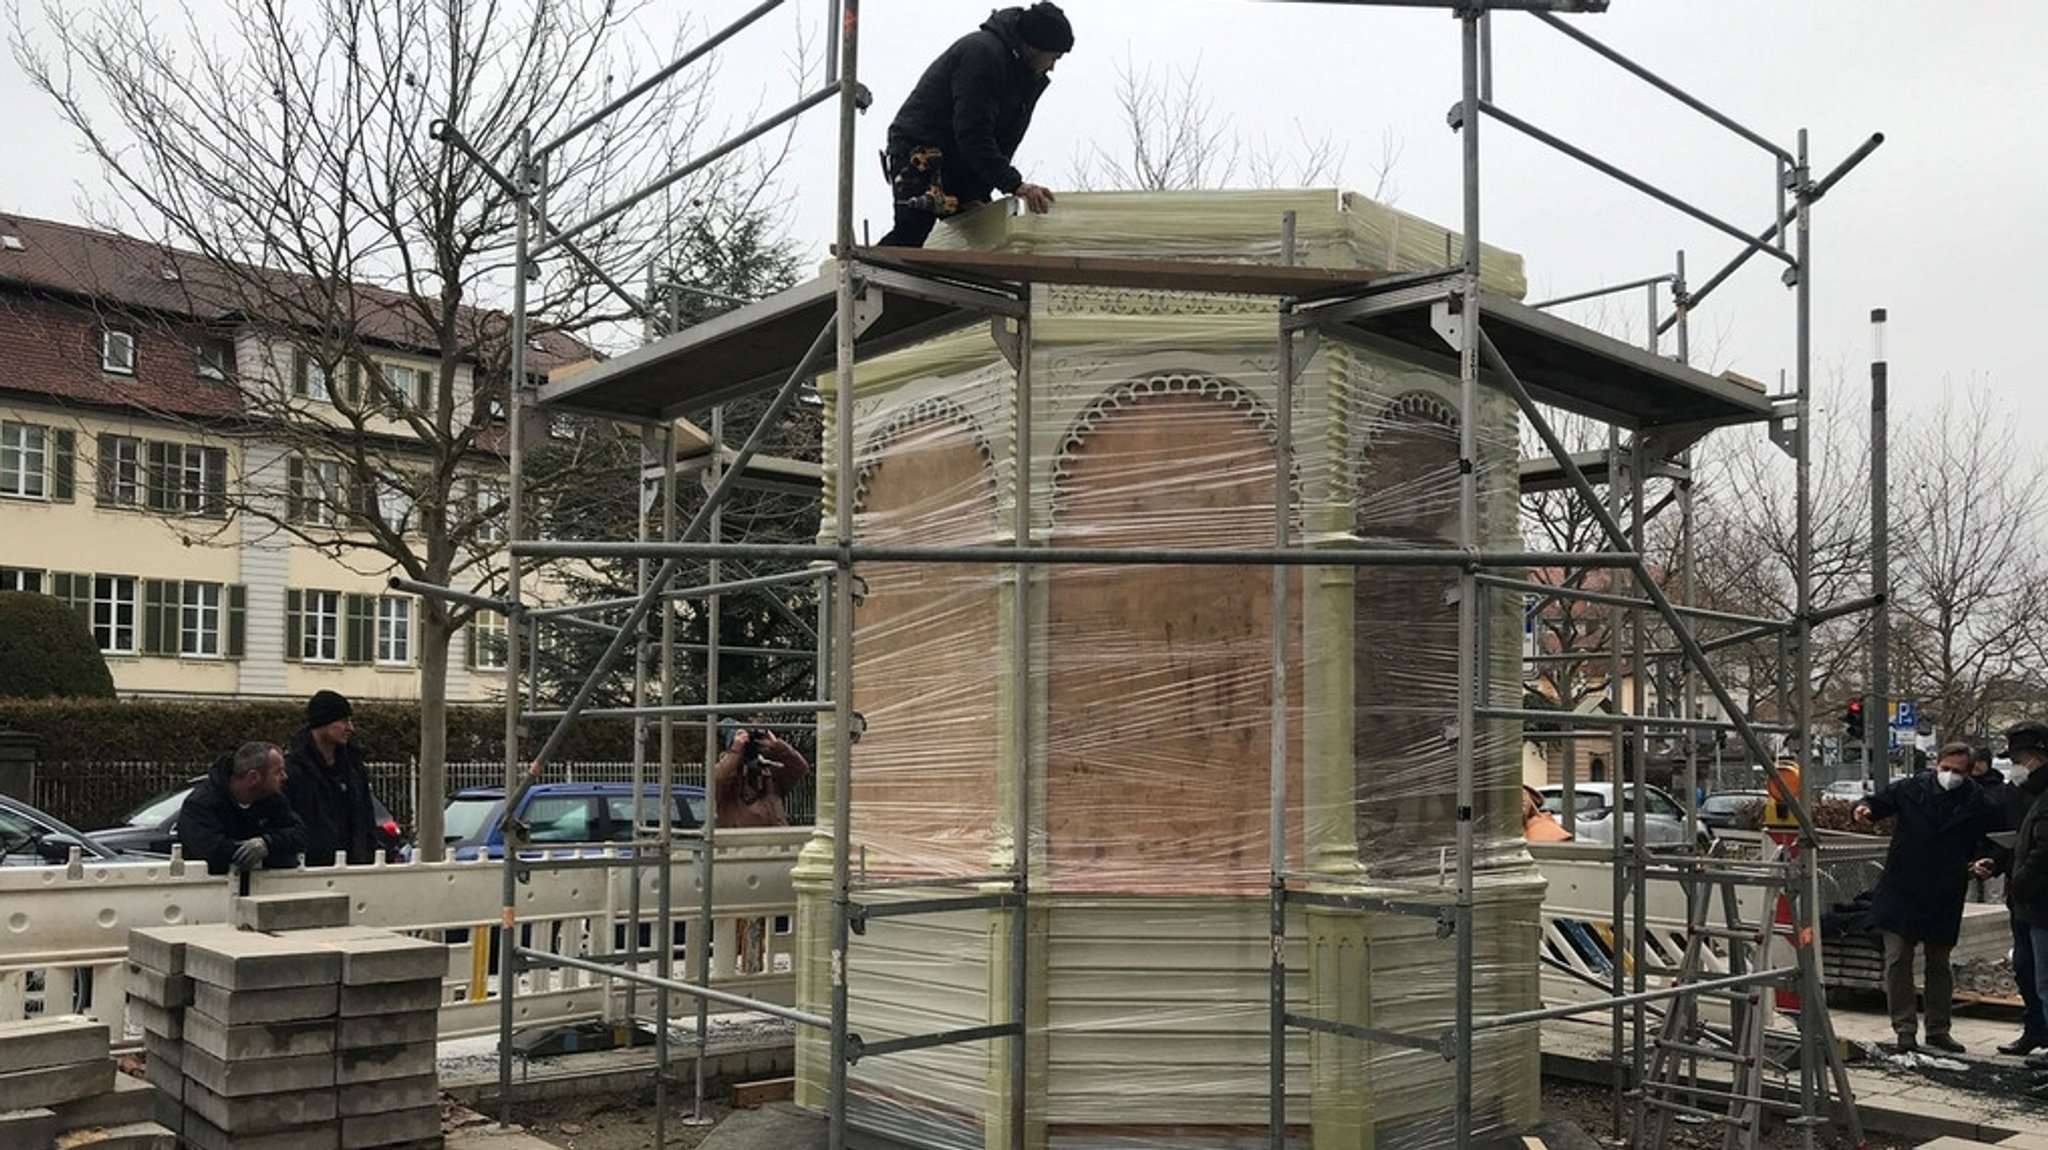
(237, 818)
(2027, 745)
(328, 786)
(1942, 817)
(954, 139)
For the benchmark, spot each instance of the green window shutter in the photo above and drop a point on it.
(238, 621)
(294, 620)
(161, 495)
(216, 495)
(360, 628)
(74, 589)
(63, 460)
(103, 483)
(298, 373)
(469, 644)
(153, 623)
(294, 490)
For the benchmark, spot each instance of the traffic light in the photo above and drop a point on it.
(1852, 719)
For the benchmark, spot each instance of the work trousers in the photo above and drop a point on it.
(1898, 984)
(2027, 972)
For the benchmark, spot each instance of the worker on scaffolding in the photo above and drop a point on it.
(1942, 816)
(954, 138)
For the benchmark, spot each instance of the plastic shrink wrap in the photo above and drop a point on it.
(1148, 701)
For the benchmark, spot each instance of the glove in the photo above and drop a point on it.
(250, 853)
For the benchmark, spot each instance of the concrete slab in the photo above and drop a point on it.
(161, 1051)
(391, 1126)
(128, 1136)
(162, 948)
(51, 1085)
(61, 1040)
(285, 1004)
(495, 1137)
(170, 1113)
(378, 1063)
(258, 1040)
(779, 1124)
(377, 956)
(365, 1098)
(391, 997)
(259, 1075)
(1951, 1142)
(387, 1030)
(2026, 1141)
(246, 960)
(34, 1129)
(274, 912)
(258, 1113)
(154, 1019)
(166, 1079)
(200, 1134)
(131, 1100)
(169, 991)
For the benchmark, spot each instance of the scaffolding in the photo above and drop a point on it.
(878, 300)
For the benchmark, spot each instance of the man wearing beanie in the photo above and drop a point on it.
(954, 139)
(327, 786)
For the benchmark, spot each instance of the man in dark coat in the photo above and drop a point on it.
(954, 139)
(237, 817)
(327, 785)
(2027, 745)
(1942, 817)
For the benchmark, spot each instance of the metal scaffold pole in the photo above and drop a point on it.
(1469, 622)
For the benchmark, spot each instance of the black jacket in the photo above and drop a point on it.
(1927, 871)
(973, 103)
(341, 825)
(212, 824)
(2027, 891)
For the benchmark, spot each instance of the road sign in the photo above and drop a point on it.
(1905, 714)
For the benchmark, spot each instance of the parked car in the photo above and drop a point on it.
(28, 837)
(557, 813)
(152, 828)
(1848, 790)
(1726, 809)
(1594, 814)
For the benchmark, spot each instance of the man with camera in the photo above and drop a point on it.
(755, 774)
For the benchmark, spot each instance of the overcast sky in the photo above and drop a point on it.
(1944, 225)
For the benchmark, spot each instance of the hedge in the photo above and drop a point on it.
(47, 651)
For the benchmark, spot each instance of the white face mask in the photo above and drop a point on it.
(1949, 780)
(2018, 774)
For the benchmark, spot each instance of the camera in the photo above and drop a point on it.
(757, 737)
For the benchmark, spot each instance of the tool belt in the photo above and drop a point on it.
(917, 181)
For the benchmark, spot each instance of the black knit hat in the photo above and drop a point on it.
(1045, 27)
(325, 707)
(2028, 736)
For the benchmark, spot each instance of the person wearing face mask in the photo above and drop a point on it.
(2026, 894)
(1942, 816)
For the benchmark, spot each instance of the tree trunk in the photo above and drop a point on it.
(433, 797)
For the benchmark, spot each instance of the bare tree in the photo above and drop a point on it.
(1175, 140)
(281, 156)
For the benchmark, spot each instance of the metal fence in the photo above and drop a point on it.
(101, 794)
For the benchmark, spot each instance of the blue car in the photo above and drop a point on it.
(559, 813)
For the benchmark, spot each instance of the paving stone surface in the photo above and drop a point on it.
(259, 1075)
(200, 1134)
(377, 1063)
(169, 991)
(389, 1127)
(257, 1113)
(387, 1030)
(378, 956)
(285, 1004)
(162, 948)
(388, 1094)
(391, 997)
(166, 1079)
(29, 1129)
(50, 1085)
(154, 1019)
(273, 912)
(130, 1101)
(34, 1043)
(162, 1051)
(249, 960)
(258, 1039)
(778, 1124)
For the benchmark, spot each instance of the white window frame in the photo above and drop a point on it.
(213, 357)
(192, 477)
(24, 467)
(394, 631)
(316, 382)
(113, 613)
(320, 627)
(21, 579)
(483, 494)
(491, 656)
(126, 487)
(322, 501)
(199, 620)
(394, 504)
(410, 387)
(117, 351)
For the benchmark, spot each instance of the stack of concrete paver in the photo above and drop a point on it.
(291, 1030)
(58, 1088)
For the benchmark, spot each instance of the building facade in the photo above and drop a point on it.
(201, 536)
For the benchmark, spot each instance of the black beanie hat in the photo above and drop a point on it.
(325, 707)
(1045, 27)
(2028, 736)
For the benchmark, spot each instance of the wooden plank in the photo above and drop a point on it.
(750, 1094)
(1111, 271)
